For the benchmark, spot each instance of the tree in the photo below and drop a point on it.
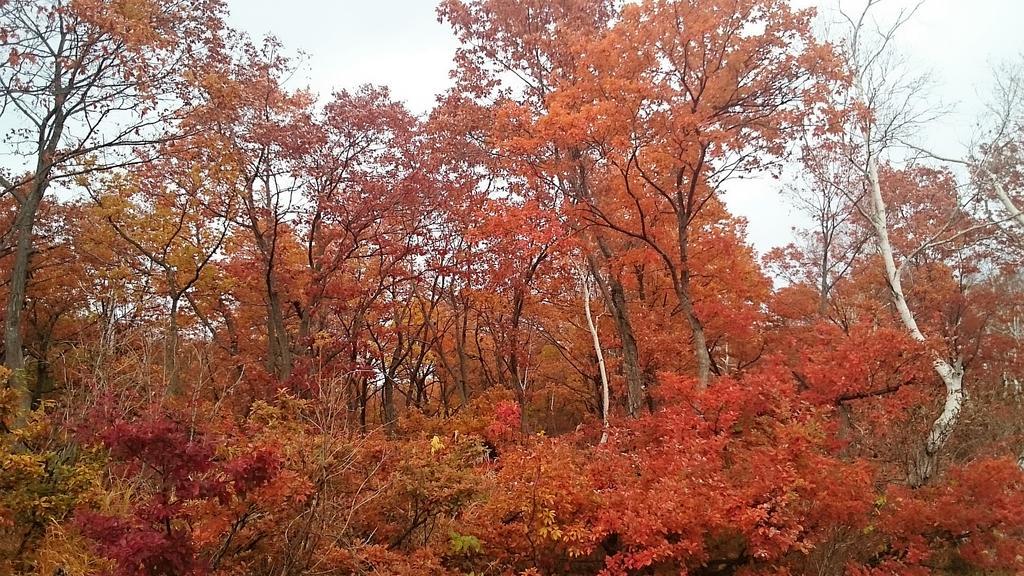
(263, 134)
(676, 110)
(884, 112)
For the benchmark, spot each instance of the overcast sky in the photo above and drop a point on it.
(401, 44)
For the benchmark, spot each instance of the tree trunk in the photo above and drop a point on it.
(388, 394)
(823, 287)
(845, 431)
(279, 348)
(14, 357)
(460, 348)
(681, 282)
(364, 400)
(595, 337)
(700, 341)
(390, 414)
(519, 389)
(519, 382)
(356, 377)
(1008, 205)
(924, 465)
(171, 373)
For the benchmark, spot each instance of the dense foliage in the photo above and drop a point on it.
(255, 330)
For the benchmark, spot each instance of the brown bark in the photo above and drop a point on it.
(682, 285)
(14, 357)
(279, 347)
(171, 371)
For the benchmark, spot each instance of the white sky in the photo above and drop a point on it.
(401, 44)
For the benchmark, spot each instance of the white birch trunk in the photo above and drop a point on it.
(585, 282)
(1007, 203)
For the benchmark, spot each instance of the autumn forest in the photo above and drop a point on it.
(250, 329)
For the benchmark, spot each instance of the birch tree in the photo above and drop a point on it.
(886, 111)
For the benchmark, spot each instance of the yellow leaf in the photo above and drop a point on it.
(436, 444)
